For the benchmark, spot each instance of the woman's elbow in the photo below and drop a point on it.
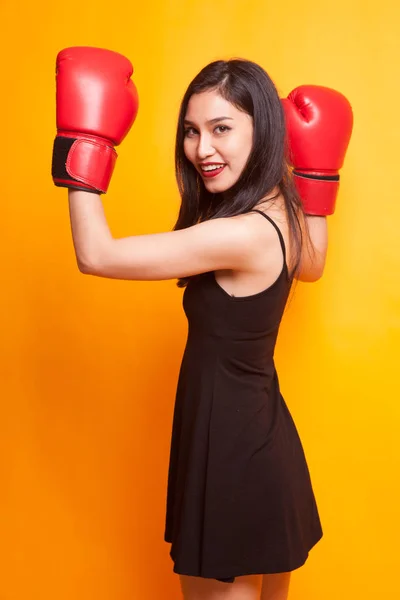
(311, 273)
(309, 277)
(85, 267)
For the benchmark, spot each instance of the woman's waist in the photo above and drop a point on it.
(231, 362)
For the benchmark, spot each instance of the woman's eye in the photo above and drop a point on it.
(189, 131)
(222, 128)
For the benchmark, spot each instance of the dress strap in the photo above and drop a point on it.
(282, 241)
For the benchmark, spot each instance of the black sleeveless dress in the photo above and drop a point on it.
(239, 498)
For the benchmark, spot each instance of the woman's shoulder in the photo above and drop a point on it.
(266, 230)
(310, 231)
(266, 246)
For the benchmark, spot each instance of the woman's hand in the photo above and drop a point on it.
(96, 106)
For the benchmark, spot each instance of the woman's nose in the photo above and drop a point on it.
(205, 147)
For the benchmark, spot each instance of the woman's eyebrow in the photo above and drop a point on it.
(211, 121)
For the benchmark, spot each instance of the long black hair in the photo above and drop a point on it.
(249, 88)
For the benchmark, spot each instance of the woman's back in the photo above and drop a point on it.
(268, 260)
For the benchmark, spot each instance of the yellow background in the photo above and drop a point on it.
(89, 366)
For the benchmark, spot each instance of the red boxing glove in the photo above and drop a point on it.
(319, 123)
(97, 104)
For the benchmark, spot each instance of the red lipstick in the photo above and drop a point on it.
(213, 172)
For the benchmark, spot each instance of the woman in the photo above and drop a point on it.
(240, 505)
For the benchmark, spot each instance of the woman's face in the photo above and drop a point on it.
(218, 140)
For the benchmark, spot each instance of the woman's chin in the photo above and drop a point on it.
(217, 187)
(214, 188)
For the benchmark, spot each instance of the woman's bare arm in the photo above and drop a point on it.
(314, 249)
(225, 243)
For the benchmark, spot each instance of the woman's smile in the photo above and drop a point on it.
(211, 169)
